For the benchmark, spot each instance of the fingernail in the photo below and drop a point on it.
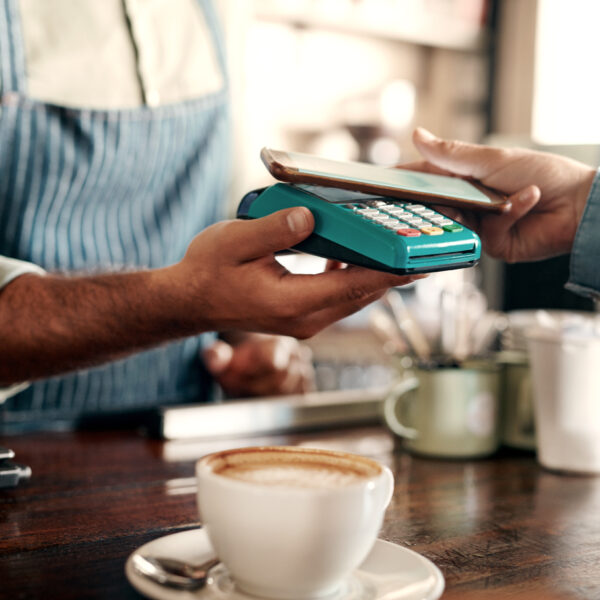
(526, 195)
(217, 357)
(425, 134)
(298, 220)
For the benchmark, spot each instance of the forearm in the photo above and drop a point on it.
(52, 324)
(227, 280)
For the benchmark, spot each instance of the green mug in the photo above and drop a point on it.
(447, 412)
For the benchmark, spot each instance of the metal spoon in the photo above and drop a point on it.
(172, 572)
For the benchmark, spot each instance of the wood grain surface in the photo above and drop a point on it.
(497, 528)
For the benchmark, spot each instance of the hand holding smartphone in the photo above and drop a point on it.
(427, 188)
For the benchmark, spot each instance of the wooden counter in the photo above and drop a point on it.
(496, 528)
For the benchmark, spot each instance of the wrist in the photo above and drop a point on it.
(179, 300)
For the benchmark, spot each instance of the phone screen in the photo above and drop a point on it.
(410, 181)
(374, 179)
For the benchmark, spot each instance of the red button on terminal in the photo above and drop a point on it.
(409, 232)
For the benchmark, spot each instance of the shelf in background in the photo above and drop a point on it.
(399, 21)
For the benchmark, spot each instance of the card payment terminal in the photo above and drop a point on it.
(382, 233)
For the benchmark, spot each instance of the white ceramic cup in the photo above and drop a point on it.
(566, 392)
(291, 522)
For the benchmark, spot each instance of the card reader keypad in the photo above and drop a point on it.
(369, 230)
(405, 218)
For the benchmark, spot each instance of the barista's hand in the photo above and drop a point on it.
(548, 194)
(229, 280)
(261, 365)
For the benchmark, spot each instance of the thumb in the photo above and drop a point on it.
(260, 237)
(498, 226)
(461, 158)
(217, 357)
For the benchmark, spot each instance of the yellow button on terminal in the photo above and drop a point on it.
(432, 230)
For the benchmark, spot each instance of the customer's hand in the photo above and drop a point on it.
(548, 194)
(229, 280)
(261, 365)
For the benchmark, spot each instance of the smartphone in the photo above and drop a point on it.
(295, 167)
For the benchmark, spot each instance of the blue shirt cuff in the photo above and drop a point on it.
(584, 276)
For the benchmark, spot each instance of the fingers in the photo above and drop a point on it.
(334, 265)
(232, 290)
(248, 240)
(217, 357)
(266, 365)
(502, 235)
(297, 378)
(351, 286)
(263, 355)
(458, 157)
(522, 202)
(317, 320)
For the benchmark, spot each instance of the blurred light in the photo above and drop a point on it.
(183, 485)
(352, 377)
(360, 110)
(337, 9)
(397, 104)
(302, 264)
(337, 144)
(566, 90)
(384, 151)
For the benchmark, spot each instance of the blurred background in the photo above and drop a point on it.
(350, 79)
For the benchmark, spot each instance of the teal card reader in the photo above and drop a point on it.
(382, 233)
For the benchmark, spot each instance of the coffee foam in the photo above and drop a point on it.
(293, 476)
(295, 468)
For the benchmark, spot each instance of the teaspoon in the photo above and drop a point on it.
(172, 572)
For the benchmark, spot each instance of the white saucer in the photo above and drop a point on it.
(389, 571)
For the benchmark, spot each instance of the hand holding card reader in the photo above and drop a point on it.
(373, 231)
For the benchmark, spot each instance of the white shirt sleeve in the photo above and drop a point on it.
(10, 269)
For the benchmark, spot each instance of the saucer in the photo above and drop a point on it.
(389, 571)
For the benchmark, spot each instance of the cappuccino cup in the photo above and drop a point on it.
(290, 522)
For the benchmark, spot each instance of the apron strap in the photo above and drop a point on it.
(218, 37)
(12, 56)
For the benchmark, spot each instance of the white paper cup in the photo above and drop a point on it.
(287, 540)
(566, 390)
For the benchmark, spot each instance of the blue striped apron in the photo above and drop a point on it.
(92, 190)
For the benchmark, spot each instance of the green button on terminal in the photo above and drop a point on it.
(452, 228)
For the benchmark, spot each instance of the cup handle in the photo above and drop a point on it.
(398, 394)
(389, 484)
